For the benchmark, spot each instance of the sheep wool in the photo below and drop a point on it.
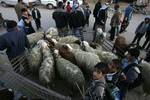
(86, 60)
(46, 71)
(68, 39)
(34, 58)
(52, 32)
(35, 37)
(106, 56)
(145, 71)
(69, 72)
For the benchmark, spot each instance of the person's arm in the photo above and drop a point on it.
(39, 13)
(27, 44)
(99, 92)
(2, 43)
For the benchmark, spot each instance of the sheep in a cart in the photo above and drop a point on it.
(46, 71)
(68, 71)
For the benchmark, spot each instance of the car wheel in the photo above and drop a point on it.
(3, 4)
(50, 6)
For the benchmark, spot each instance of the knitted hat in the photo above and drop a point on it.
(11, 24)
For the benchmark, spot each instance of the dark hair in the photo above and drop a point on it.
(116, 61)
(11, 24)
(116, 6)
(134, 52)
(68, 2)
(60, 4)
(23, 10)
(103, 67)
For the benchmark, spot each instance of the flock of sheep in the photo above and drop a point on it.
(71, 58)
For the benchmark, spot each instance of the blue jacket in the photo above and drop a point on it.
(128, 12)
(14, 41)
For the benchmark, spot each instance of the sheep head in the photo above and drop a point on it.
(56, 53)
(99, 30)
(52, 31)
(42, 43)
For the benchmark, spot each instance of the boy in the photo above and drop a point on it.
(112, 91)
(130, 71)
(96, 89)
(27, 18)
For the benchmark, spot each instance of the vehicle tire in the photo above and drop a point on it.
(50, 6)
(3, 4)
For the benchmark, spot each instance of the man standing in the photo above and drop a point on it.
(127, 18)
(61, 19)
(18, 8)
(14, 41)
(36, 16)
(77, 22)
(95, 11)
(147, 36)
(141, 30)
(115, 22)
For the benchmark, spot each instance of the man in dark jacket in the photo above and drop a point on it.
(77, 22)
(14, 41)
(147, 36)
(36, 16)
(61, 19)
(141, 30)
(95, 11)
(18, 8)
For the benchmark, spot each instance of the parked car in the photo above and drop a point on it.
(14, 2)
(50, 4)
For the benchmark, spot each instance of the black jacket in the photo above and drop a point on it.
(34, 11)
(148, 32)
(96, 9)
(61, 18)
(14, 41)
(76, 19)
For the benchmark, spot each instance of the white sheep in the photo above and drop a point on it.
(85, 60)
(100, 36)
(35, 37)
(68, 71)
(34, 58)
(103, 55)
(46, 71)
(68, 39)
(52, 32)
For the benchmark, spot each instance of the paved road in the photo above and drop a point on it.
(47, 21)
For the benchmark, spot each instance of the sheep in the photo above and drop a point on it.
(86, 47)
(99, 36)
(52, 33)
(46, 71)
(120, 46)
(34, 58)
(35, 37)
(57, 45)
(85, 60)
(95, 46)
(68, 71)
(68, 39)
(103, 55)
